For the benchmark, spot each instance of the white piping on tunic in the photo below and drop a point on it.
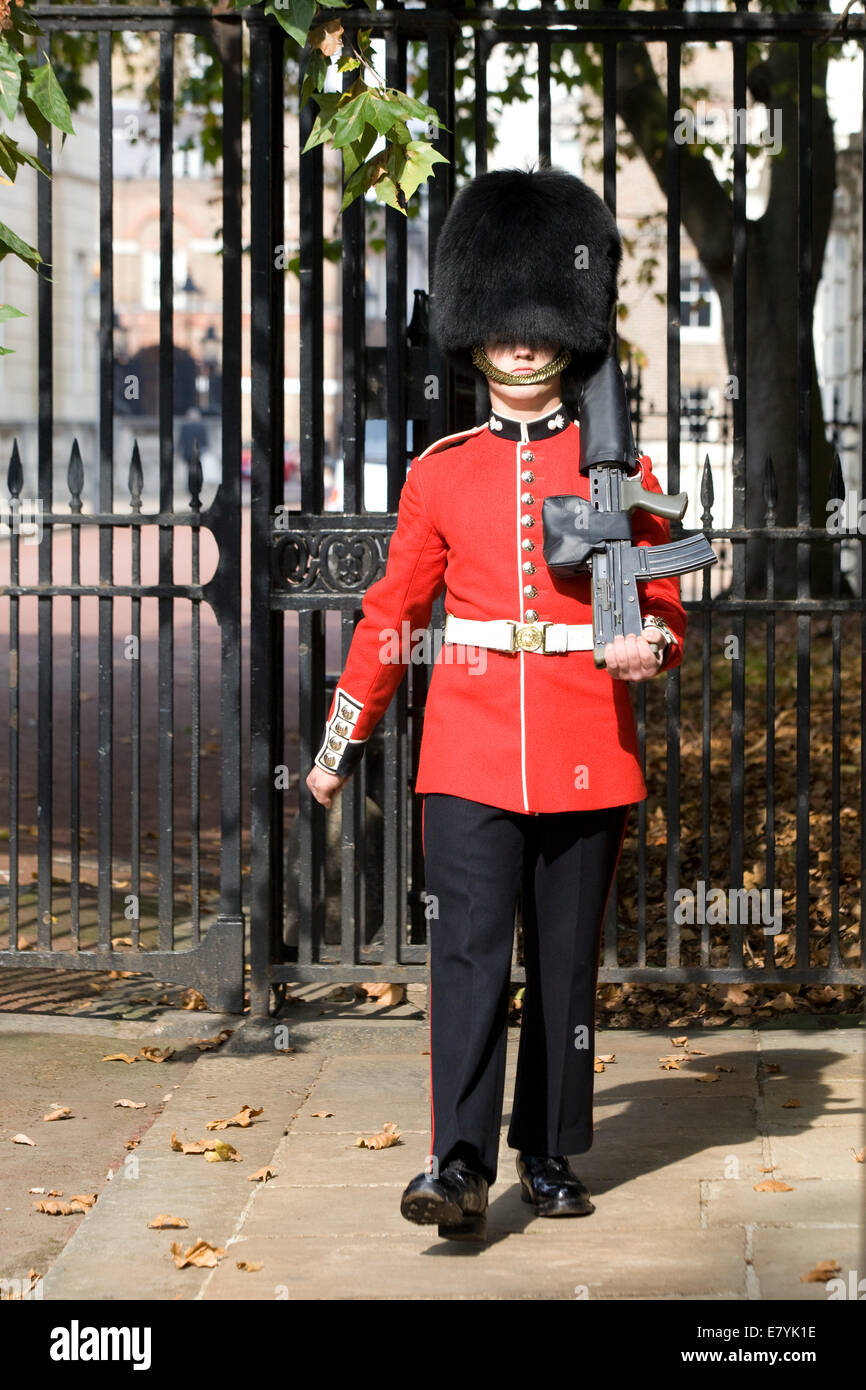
(524, 439)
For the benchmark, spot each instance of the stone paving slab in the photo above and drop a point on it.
(671, 1171)
(781, 1255)
(113, 1255)
(581, 1264)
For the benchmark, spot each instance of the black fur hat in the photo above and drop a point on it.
(510, 267)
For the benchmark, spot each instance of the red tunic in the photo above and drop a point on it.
(527, 731)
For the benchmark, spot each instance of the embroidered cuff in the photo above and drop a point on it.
(340, 753)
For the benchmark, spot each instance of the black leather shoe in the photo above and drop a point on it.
(552, 1186)
(456, 1201)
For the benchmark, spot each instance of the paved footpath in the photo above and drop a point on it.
(672, 1173)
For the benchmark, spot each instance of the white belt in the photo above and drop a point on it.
(505, 634)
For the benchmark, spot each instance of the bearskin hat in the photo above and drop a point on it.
(527, 257)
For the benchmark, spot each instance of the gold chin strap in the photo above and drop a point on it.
(483, 363)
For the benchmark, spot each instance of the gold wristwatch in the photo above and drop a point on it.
(663, 650)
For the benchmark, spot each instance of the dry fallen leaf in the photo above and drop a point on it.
(321, 1114)
(193, 1000)
(824, 1270)
(598, 1064)
(249, 1265)
(772, 1066)
(327, 37)
(859, 1157)
(119, 1057)
(208, 1044)
(87, 1199)
(132, 1104)
(772, 1185)
(37, 1191)
(390, 1135)
(679, 1042)
(193, 1146)
(54, 1208)
(721, 1067)
(22, 1139)
(782, 1001)
(165, 1223)
(385, 993)
(606, 1057)
(64, 1113)
(262, 1175)
(708, 1076)
(695, 1052)
(791, 1104)
(771, 1169)
(243, 1119)
(671, 1065)
(203, 1255)
(156, 1054)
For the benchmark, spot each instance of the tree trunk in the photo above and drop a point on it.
(772, 281)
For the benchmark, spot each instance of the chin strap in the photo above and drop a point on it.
(483, 363)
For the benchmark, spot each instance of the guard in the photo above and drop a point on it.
(529, 759)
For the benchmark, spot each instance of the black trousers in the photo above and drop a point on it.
(477, 860)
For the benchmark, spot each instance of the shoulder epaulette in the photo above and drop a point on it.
(449, 440)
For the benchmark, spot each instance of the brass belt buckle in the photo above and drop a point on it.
(528, 637)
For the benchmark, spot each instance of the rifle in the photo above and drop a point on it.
(594, 535)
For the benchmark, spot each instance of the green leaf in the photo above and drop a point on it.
(48, 96)
(355, 154)
(8, 311)
(32, 161)
(410, 166)
(10, 243)
(388, 192)
(8, 162)
(348, 64)
(323, 126)
(295, 16)
(11, 155)
(414, 110)
(314, 77)
(25, 22)
(10, 81)
(4, 352)
(361, 180)
(349, 122)
(36, 120)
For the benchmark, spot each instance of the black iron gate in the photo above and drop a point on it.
(339, 896)
(133, 896)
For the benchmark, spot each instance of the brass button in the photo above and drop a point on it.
(527, 476)
(528, 567)
(527, 521)
(347, 713)
(338, 742)
(341, 729)
(530, 590)
(527, 497)
(329, 759)
(530, 616)
(527, 456)
(527, 544)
